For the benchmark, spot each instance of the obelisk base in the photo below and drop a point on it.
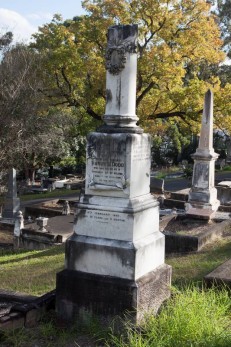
(82, 295)
(11, 207)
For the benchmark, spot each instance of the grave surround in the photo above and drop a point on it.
(115, 258)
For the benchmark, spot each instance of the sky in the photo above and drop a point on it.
(23, 17)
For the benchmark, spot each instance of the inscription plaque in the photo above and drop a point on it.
(201, 176)
(106, 163)
(141, 150)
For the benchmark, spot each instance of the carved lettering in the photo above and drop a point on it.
(105, 216)
(106, 163)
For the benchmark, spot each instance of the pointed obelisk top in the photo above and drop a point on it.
(205, 147)
(208, 107)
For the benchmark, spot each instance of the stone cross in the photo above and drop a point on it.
(203, 201)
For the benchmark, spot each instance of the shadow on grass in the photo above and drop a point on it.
(55, 250)
(59, 194)
(191, 268)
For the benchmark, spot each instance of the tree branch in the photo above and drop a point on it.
(144, 92)
(165, 115)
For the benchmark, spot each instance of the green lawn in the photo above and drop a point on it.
(31, 272)
(34, 271)
(53, 194)
(192, 268)
(192, 318)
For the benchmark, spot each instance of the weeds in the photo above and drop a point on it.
(191, 318)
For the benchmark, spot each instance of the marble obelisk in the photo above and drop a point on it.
(11, 202)
(115, 260)
(203, 201)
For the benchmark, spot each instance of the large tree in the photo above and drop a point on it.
(224, 13)
(29, 132)
(176, 39)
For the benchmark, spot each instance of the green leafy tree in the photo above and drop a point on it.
(224, 13)
(176, 39)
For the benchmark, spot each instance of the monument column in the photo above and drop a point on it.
(203, 201)
(115, 260)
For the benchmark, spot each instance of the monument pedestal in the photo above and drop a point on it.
(115, 258)
(11, 207)
(80, 295)
(203, 202)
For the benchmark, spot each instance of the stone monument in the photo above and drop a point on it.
(228, 144)
(18, 226)
(202, 200)
(11, 202)
(115, 260)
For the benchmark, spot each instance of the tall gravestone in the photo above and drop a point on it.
(11, 202)
(228, 144)
(115, 260)
(203, 201)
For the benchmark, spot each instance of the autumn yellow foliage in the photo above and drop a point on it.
(176, 39)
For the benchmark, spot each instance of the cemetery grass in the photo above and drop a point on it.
(53, 194)
(31, 272)
(34, 272)
(188, 319)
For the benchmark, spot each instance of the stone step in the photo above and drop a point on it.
(223, 208)
(172, 203)
(23, 310)
(180, 195)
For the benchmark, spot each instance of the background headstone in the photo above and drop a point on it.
(11, 202)
(203, 201)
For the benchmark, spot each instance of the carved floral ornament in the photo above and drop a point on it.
(116, 55)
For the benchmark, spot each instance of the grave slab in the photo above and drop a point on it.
(220, 276)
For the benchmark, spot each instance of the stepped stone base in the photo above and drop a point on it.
(200, 213)
(80, 295)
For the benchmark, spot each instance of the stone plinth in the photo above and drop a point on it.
(118, 165)
(106, 297)
(116, 241)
